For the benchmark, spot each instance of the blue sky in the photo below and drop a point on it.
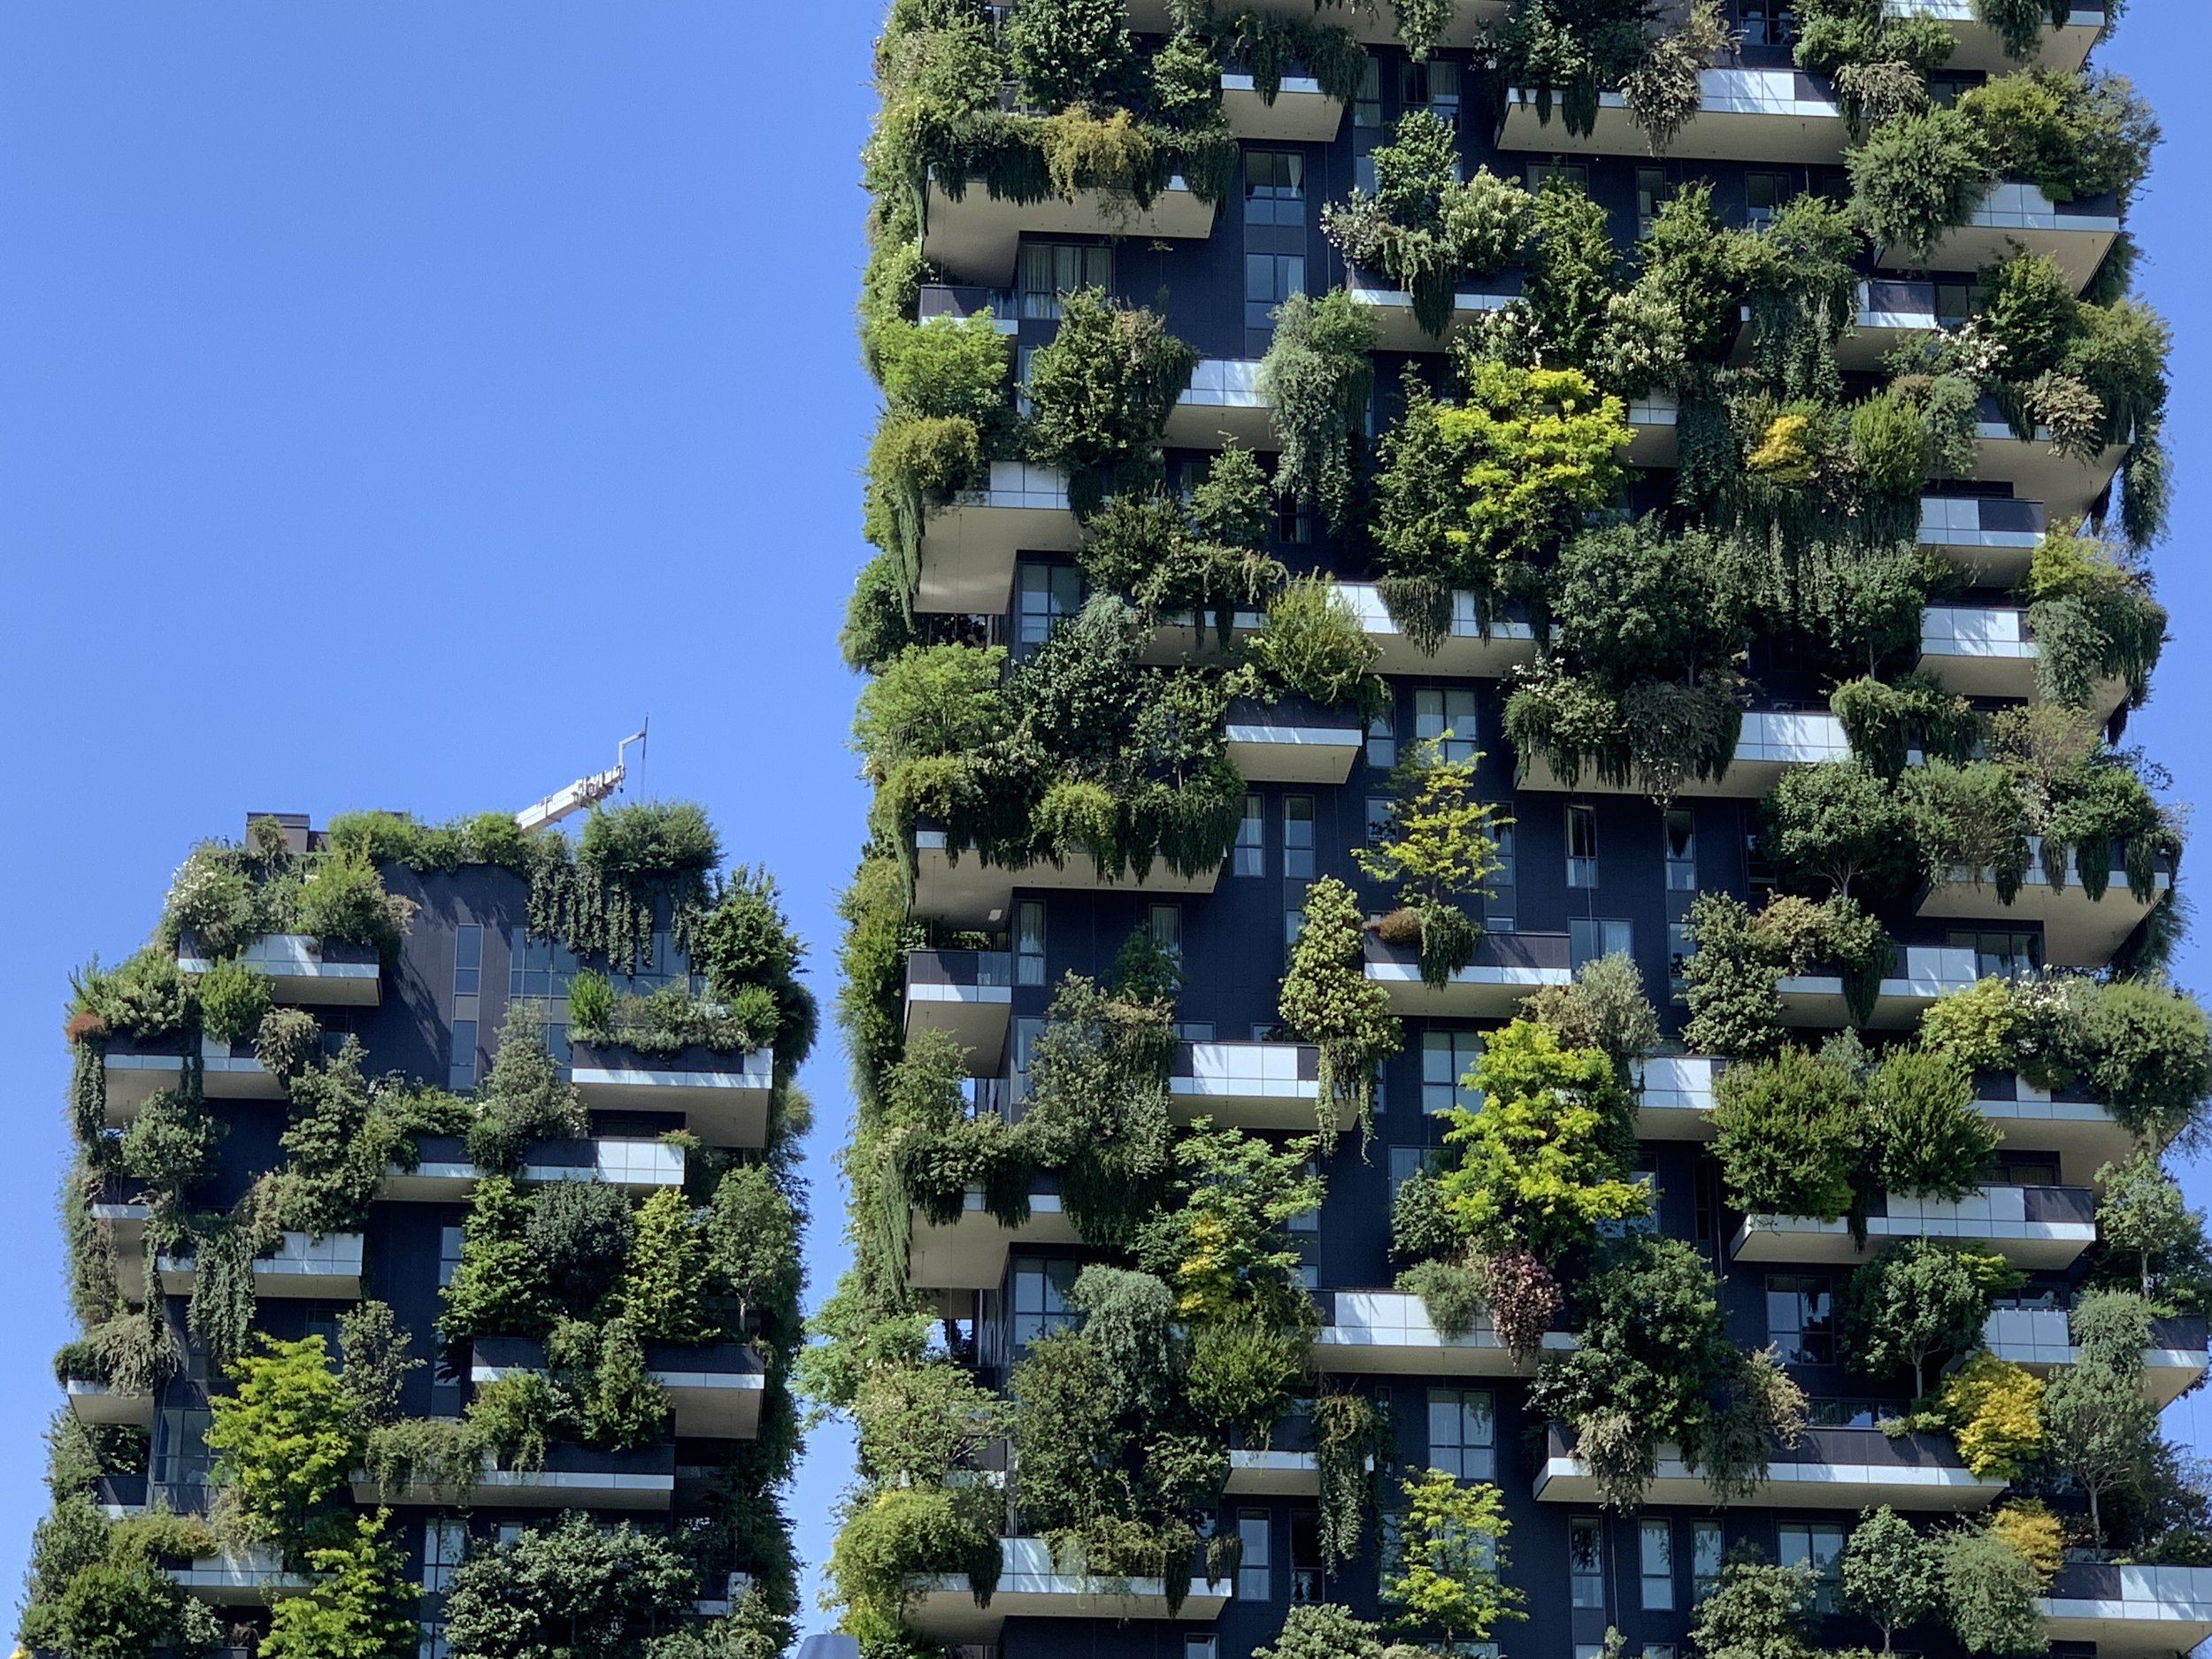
(397, 403)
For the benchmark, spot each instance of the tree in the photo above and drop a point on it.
(1068, 52)
(2097, 1426)
(1635, 604)
(2149, 1053)
(498, 1289)
(283, 1438)
(1328, 1001)
(1535, 1170)
(929, 700)
(665, 1275)
(1791, 1135)
(580, 1234)
(1099, 394)
(1889, 1573)
(376, 1364)
(1604, 1008)
(1829, 826)
(2143, 1213)
(1219, 1242)
(1450, 1554)
(1917, 1301)
(1757, 1611)
(523, 1097)
(1441, 842)
(752, 1241)
(360, 1606)
(1933, 1143)
(567, 1592)
(1995, 1409)
(1989, 1594)
(117, 1610)
(1322, 1630)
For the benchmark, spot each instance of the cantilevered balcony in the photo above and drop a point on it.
(2129, 1612)
(1771, 743)
(970, 1254)
(1372, 26)
(1675, 1097)
(2066, 486)
(714, 1388)
(443, 1173)
(301, 1268)
(1763, 115)
(252, 1580)
(1221, 403)
(303, 968)
(973, 239)
(135, 1070)
(1980, 650)
(1251, 1085)
(936, 300)
(1828, 1469)
(967, 994)
(1286, 1467)
(1890, 313)
(1388, 1333)
(968, 546)
(1302, 113)
(1922, 974)
(1993, 538)
(93, 1401)
(2078, 930)
(1032, 1585)
(1652, 420)
(968, 891)
(1975, 45)
(1465, 650)
(1293, 741)
(2041, 1339)
(2037, 1228)
(571, 1478)
(1506, 967)
(1390, 309)
(2076, 235)
(724, 1097)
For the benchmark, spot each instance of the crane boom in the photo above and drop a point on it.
(585, 792)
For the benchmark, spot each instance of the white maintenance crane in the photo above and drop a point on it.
(583, 793)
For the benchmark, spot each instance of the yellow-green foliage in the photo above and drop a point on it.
(2029, 1526)
(1995, 1409)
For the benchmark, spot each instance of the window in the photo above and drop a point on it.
(1255, 1581)
(1586, 1563)
(448, 1254)
(443, 1544)
(1504, 878)
(1432, 86)
(180, 1458)
(1652, 191)
(432, 1645)
(1294, 925)
(1707, 1547)
(1681, 852)
(1040, 1297)
(1250, 856)
(1447, 1058)
(1767, 22)
(1655, 1557)
(1463, 1434)
(1029, 942)
(1378, 819)
(1269, 279)
(1590, 937)
(1274, 187)
(1367, 112)
(1052, 269)
(1306, 1220)
(1164, 924)
(1815, 1545)
(1447, 719)
(1678, 949)
(1298, 837)
(1305, 1558)
(540, 968)
(1800, 1318)
(1567, 173)
(1045, 593)
(1382, 741)
(1294, 514)
(1764, 194)
(1582, 847)
(468, 973)
(1405, 1163)
(2001, 955)
(1201, 1647)
(1027, 1029)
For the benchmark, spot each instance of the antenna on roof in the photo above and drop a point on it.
(584, 792)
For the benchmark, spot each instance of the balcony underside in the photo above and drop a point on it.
(1976, 46)
(724, 1109)
(970, 1254)
(2078, 932)
(1418, 1351)
(1816, 1000)
(1791, 1485)
(974, 1016)
(2130, 1612)
(2068, 488)
(1270, 1474)
(1770, 743)
(133, 1078)
(93, 1402)
(968, 552)
(1478, 991)
(1292, 1111)
(1802, 130)
(249, 1583)
(1266, 751)
(1397, 329)
(529, 1489)
(974, 239)
(1301, 114)
(1031, 1585)
(1372, 25)
(2037, 1245)
(2078, 248)
(970, 893)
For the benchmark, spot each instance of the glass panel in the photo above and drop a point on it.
(1585, 1563)
(1298, 837)
(1251, 849)
(1656, 1550)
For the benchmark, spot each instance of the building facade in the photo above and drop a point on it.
(433, 1237)
(1680, 492)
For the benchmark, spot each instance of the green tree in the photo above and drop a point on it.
(499, 1287)
(567, 1592)
(1099, 394)
(1451, 1552)
(1917, 1301)
(1933, 1143)
(1791, 1135)
(1757, 1611)
(1322, 1630)
(2097, 1428)
(1995, 1409)
(361, 1606)
(1835, 825)
(1068, 52)
(1220, 1242)
(2143, 1214)
(2149, 1051)
(666, 1274)
(929, 700)
(283, 1438)
(752, 1243)
(1328, 1001)
(1636, 604)
(1440, 843)
(117, 1610)
(1890, 1574)
(580, 1234)
(523, 1098)
(1536, 1170)
(1989, 1594)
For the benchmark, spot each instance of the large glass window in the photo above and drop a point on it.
(1652, 190)
(181, 1459)
(1814, 1546)
(1708, 1546)
(1040, 1297)
(1298, 845)
(1269, 279)
(1681, 852)
(1582, 847)
(1655, 1555)
(1448, 1058)
(1586, 1562)
(1590, 937)
(1164, 924)
(1431, 84)
(1382, 741)
(1256, 1579)
(1800, 1317)
(1050, 270)
(1274, 187)
(1448, 719)
(1043, 595)
(1765, 195)
(1250, 857)
(444, 1542)
(2001, 955)
(1767, 22)
(1029, 942)
(1463, 1434)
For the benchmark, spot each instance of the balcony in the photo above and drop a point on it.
(1506, 967)
(302, 1268)
(968, 891)
(1372, 26)
(1387, 1334)
(1391, 309)
(1301, 114)
(973, 239)
(1030, 1584)
(252, 1580)
(2130, 1612)
(119, 1497)
(1464, 652)
(99, 1402)
(1890, 313)
(574, 1478)
(1293, 741)
(1764, 115)
(968, 993)
(1991, 537)
(970, 1254)
(724, 1097)
(946, 299)
(1828, 1469)
(444, 1174)
(302, 969)
(1772, 741)
(968, 545)
(1675, 1097)
(2064, 1121)
(2076, 235)
(1652, 421)
(1975, 45)
(1925, 973)
(1222, 401)
(2039, 1227)
(2066, 487)
(2041, 1339)
(1987, 651)
(713, 1389)
(1249, 1085)
(135, 1070)
(1284, 1468)
(2078, 932)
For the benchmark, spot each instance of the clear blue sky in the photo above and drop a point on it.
(398, 402)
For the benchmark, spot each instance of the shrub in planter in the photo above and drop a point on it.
(1918, 176)
(233, 998)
